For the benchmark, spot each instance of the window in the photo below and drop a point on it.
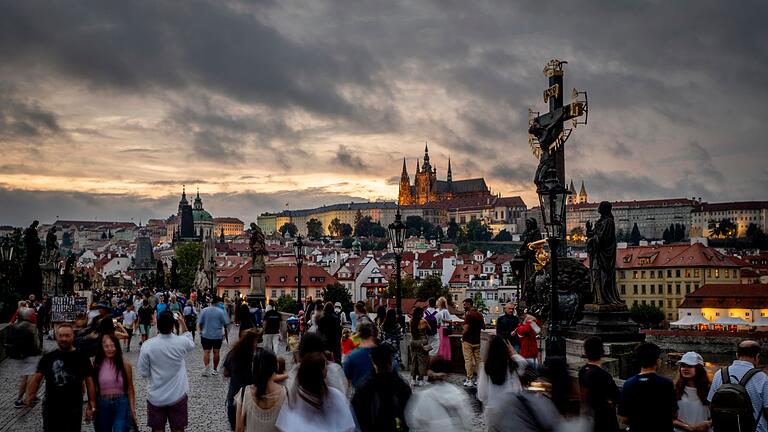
(282, 278)
(669, 273)
(634, 274)
(687, 288)
(623, 289)
(669, 288)
(727, 273)
(634, 303)
(696, 272)
(238, 279)
(653, 289)
(282, 292)
(677, 273)
(709, 273)
(274, 293)
(634, 289)
(717, 273)
(717, 313)
(642, 289)
(653, 274)
(695, 287)
(687, 272)
(677, 288)
(669, 304)
(622, 274)
(642, 274)
(643, 302)
(653, 303)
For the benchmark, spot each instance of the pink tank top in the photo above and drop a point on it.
(110, 380)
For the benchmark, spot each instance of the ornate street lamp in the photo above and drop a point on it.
(397, 239)
(298, 250)
(518, 271)
(552, 198)
(212, 265)
(6, 249)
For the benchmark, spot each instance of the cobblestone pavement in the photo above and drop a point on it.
(206, 397)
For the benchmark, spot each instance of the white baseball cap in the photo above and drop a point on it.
(691, 359)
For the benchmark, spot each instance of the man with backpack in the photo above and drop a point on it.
(430, 316)
(739, 393)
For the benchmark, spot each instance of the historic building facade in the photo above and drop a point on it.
(426, 188)
(743, 213)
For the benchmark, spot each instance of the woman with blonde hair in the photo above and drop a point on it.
(443, 328)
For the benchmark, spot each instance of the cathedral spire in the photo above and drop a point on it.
(417, 165)
(450, 174)
(426, 167)
(405, 171)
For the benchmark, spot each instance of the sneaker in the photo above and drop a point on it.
(414, 382)
(206, 372)
(215, 372)
(19, 404)
(467, 383)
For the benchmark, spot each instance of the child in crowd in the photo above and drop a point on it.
(348, 343)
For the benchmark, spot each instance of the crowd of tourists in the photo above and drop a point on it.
(346, 371)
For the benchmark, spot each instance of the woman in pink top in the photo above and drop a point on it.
(116, 408)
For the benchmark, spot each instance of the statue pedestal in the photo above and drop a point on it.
(258, 290)
(50, 278)
(613, 325)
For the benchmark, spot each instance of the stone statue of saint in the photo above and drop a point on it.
(32, 278)
(68, 278)
(51, 245)
(601, 247)
(201, 280)
(258, 246)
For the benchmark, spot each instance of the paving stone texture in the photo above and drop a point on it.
(207, 395)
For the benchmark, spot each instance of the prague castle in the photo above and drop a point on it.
(428, 189)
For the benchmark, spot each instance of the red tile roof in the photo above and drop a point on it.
(674, 255)
(284, 276)
(639, 204)
(462, 273)
(737, 205)
(725, 296)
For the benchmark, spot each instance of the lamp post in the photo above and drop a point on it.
(6, 250)
(397, 238)
(212, 265)
(298, 249)
(552, 198)
(518, 271)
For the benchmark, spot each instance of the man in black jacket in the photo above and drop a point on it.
(380, 403)
(506, 325)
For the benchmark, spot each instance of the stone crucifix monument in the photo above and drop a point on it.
(257, 270)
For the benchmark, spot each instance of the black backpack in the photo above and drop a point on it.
(731, 408)
(431, 319)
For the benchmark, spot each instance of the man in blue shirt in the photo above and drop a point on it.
(358, 366)
(648, 401)
(213, 323)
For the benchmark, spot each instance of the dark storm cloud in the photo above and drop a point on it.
(348, 159)
(22, 118)
(141, 47)
(515, 174)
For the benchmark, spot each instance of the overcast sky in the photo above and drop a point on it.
(108, 107)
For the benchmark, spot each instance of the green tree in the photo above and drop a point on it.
(11, 275)
(479, 303)
(621, 236)
(407, 287)
(314, 228)
(667, 236)
(338, 293)
(358, 217)
(431, 286)
(188, 258)
(476, 231)
(345, 230)
(757, 237)
(378, 231)
(346, 242)
(646, 315)
(679, 232)
(503, 235)
(290, 228)
(725, 228)
(363, 227)
(334, 228)
(453, 230)
(286, 303)
(635, 236)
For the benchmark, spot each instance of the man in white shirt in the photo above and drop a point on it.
(747, 358)
(130, 321)
(161, 362)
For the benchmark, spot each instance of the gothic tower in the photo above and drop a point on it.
(582, 194)
(404, 197)
(426, 181)
(572, 197)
